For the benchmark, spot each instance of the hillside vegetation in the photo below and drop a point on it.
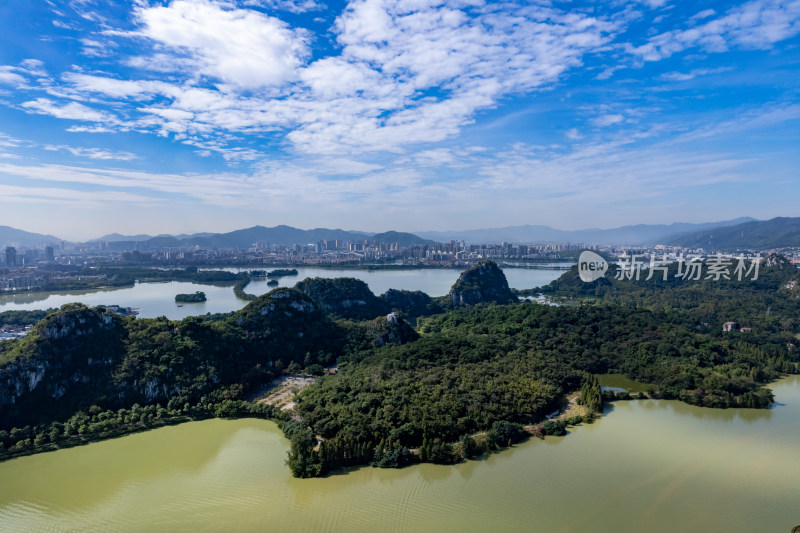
(463, 382)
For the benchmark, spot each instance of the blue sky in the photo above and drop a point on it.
(212, 115)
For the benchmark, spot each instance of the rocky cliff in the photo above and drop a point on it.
(482, 283)
(391, 329)
(79, 356)
(343, 297)
(65, 361)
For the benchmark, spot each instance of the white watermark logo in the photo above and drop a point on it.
(689, 269)
(591, 266)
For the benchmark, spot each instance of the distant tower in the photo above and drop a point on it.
(49, 254)
(11, 257)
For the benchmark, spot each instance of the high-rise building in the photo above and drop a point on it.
(11, 257)
(49, 254)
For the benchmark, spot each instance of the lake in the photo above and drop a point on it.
(650, 465)
(158, 299)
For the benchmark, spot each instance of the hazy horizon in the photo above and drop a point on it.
(97, 236)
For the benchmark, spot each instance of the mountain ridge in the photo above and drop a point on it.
(778, 232)
(529, 233)
(12, 236)
(679, 233)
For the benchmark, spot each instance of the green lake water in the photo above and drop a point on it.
(652, 465)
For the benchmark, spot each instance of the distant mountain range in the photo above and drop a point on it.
(778, 232)
(116, 237)
(246, 238)
(636, 235)
(16, 237)
(740, 233)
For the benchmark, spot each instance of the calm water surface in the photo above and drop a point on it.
(157, 299)
(656, 466)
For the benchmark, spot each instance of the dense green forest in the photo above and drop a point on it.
(465, 380)
(281, 272)
(477, 366)
(196, 297)
(240, 293)
(85, 278)
(23, 318)
(473, 367)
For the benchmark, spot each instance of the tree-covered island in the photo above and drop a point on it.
(281, 272)
(476, 371)
(196, 297)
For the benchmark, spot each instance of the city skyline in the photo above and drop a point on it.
(191, 116)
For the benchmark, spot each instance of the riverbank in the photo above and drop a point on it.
(653, 465)
(98, 425)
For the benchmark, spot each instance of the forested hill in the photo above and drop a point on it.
(80, 356)
(769, 303)
(781, 232)
(85, 373)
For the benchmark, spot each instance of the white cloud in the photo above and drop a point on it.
(70, 111)
(607, 120)
(757, 24)
(397, 53)
(16, 76)
(294, 6)
(95, 48)
(628, 169)
(435, 157)
(406, 73)
(215, 189)
(74, 198)
(652, 3)
(9, 77)
(93, 153)
(115, 88)
(90, 129)
(686, 76)
(704, 14)
(8, 142)
(33, 67)
(240, 47)
(63, 25)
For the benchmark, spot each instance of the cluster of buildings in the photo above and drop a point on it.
(323, 252)
(13, 331)
(11, 259)
(24, 269)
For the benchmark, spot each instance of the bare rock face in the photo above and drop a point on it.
(778, 262)
(392, 330)
(482, 283)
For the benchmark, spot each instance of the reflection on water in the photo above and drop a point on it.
(618, 381)
(723, 415)
(644, 466)
(22, 298)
